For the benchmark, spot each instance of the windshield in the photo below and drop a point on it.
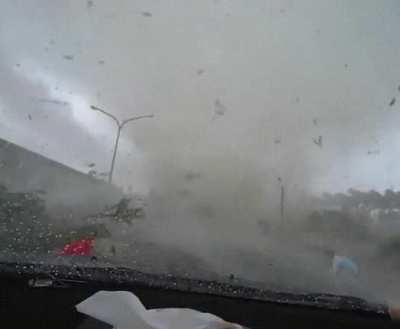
(252, 143)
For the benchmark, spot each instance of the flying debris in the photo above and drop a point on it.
(219, 109)
(318, 141)
(52, 101)
(200, 71)
(191, 175)
(393, 101)
(69, 57)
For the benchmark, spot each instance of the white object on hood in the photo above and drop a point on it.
(123, 310)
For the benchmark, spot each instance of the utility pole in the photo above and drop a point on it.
(120, 126)
(282, 200)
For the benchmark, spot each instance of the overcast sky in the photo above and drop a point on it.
(238, 88)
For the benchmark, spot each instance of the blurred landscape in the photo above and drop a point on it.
(273, 141)
(287, 252)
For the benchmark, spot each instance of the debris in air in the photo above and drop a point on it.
(52, 101)
(318, 141)
(315, 122)
(191, 175)
(92, 173)
(29, 117)
(200, 71)
(101, 62)
(69, 57)
(372, 152)
(393, 101)
(277, 141)
(89, 4)
(91, 165)
(113, 250)
(219, 108)
(146, 14)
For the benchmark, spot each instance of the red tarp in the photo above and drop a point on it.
(82, 247)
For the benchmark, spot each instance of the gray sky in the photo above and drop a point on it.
(239, 88)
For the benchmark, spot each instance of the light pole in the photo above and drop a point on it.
(120, 125)
(282, 200)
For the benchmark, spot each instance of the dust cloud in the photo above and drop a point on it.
(258, 110)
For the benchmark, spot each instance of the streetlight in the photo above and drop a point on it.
(120, 125)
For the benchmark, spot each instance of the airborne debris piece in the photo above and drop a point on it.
(89, 4)
(92, 173)
(91, 165)
(100, 62)
(122, 212)
(342, 264)
(52, 101)
(318, 141)
(29, 117)
(315, 122)
(147, 14)
(200, 71)
(393, 101)
(191, 175)
(219, 108)
(68, 57)
(113, 250)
